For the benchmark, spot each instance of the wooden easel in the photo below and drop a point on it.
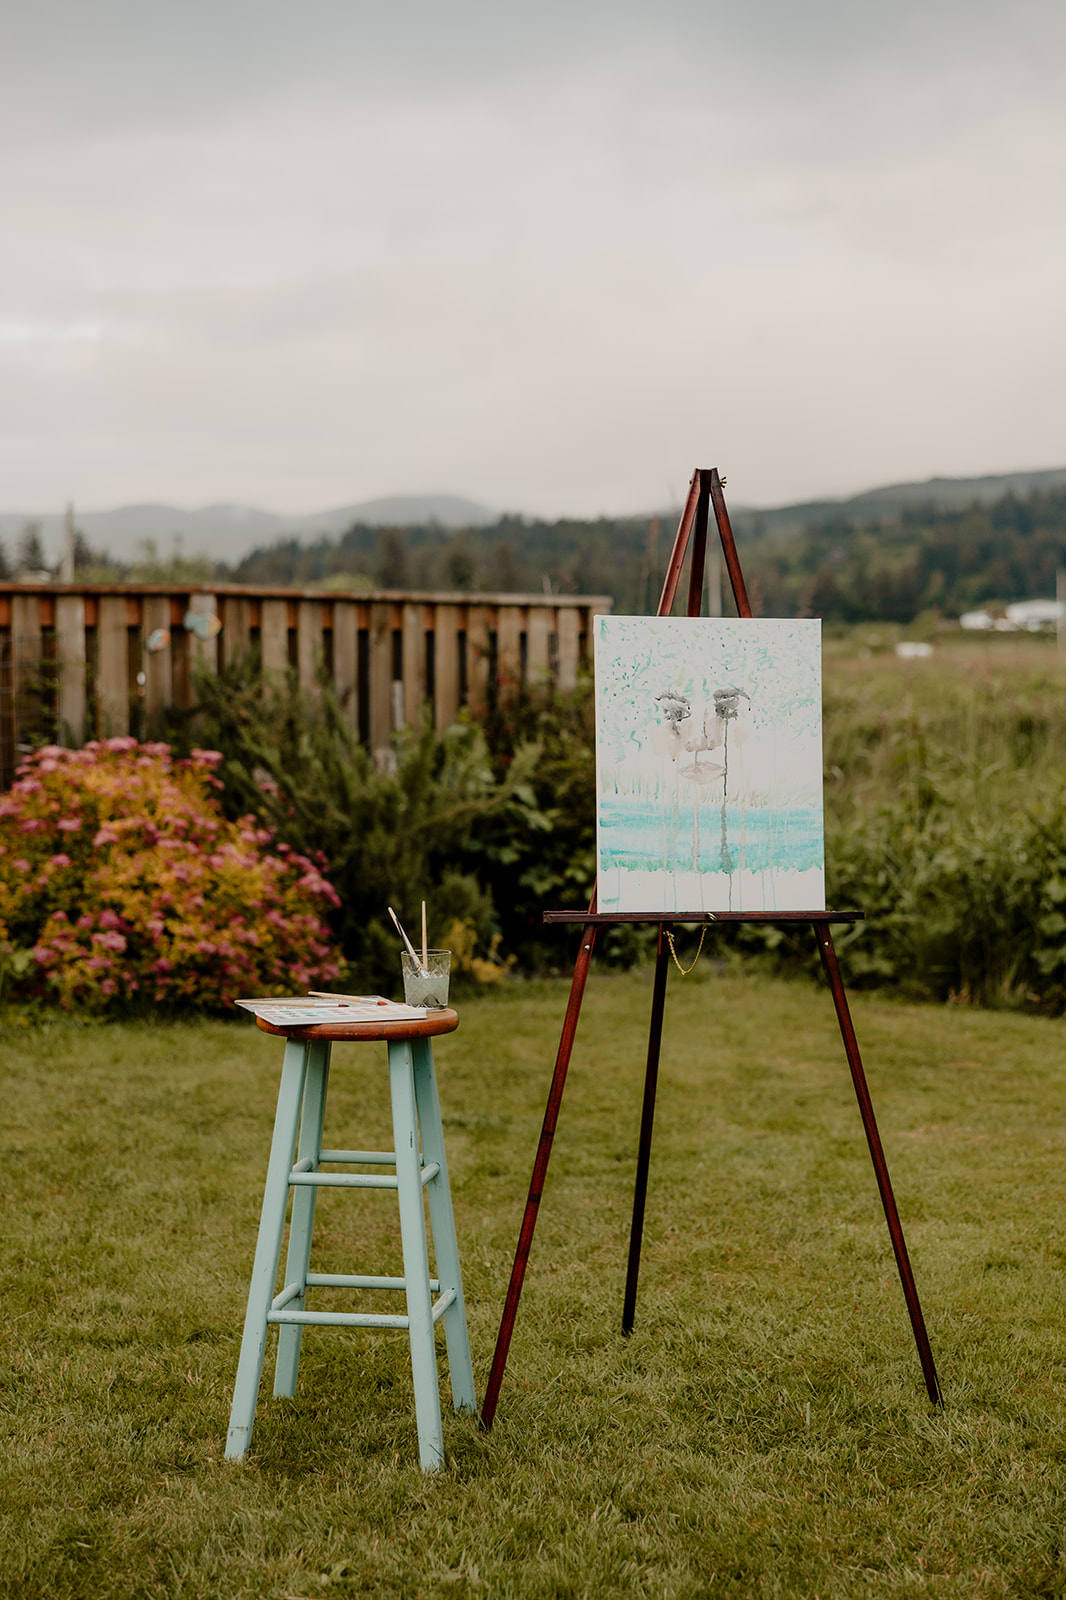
(705, 491)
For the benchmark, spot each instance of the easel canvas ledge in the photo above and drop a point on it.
(705, 492)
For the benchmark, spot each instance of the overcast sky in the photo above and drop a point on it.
(550, 256)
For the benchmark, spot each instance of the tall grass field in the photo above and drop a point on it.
(765, 1431)
(945, 795)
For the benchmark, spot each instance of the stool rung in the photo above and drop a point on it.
(341, 1280)
(353, 1180)
(338, 1319)
(372, 1158)
(349, 1319)
(353, 1158)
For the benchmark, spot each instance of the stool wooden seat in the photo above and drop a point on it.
(420, 1167)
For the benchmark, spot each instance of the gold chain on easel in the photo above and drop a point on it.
(684, 971)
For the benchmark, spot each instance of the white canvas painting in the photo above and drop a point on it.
(709, 764)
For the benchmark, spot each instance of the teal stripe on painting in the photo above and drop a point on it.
(646, 837)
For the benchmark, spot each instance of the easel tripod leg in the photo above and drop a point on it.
(536, 1182)
(877, 1155)
(647, 1120)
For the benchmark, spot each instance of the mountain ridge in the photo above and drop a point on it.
(891, 500)
(229, 531)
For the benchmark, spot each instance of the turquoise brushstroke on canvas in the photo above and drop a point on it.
(709, 764)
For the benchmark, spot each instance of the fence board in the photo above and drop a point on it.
(158, 664)
(478, 663)
(26, 640)
(346, 659)
(274, 635)
(70, 669)
(568, 632)
(380, 676)
(236, 636)
(509, 648)
(203, 653)
(308, 645)
(25, 670)
(539, 629)
(446, 666)
(414, 663)
(113, 675)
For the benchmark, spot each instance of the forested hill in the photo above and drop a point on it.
(840, 566)
(623, 558)
(850, 570)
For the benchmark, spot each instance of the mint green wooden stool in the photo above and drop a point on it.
(298, 1127)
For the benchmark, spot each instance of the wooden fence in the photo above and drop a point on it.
(94, 660)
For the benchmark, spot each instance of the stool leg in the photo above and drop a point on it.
(415, 1258)
(303, 1214)
(267, 1251)
(445, 1244)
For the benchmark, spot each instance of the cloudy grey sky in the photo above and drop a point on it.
(547, 255)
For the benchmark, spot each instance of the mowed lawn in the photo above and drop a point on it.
(764, 1432)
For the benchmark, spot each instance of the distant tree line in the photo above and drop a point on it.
(96, 566)
(29, 552)
(622, 557)
(839, 568)
(933, 559)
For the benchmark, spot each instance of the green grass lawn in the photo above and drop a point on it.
(765, 1431)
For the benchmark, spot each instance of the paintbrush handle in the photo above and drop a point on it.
(411, 951)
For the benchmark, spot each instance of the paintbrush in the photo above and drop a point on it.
(411, 951)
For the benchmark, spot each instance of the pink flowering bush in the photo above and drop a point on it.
(121, 881)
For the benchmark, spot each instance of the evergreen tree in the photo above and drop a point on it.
(460, 564)
(392, 559)
(30, 549)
